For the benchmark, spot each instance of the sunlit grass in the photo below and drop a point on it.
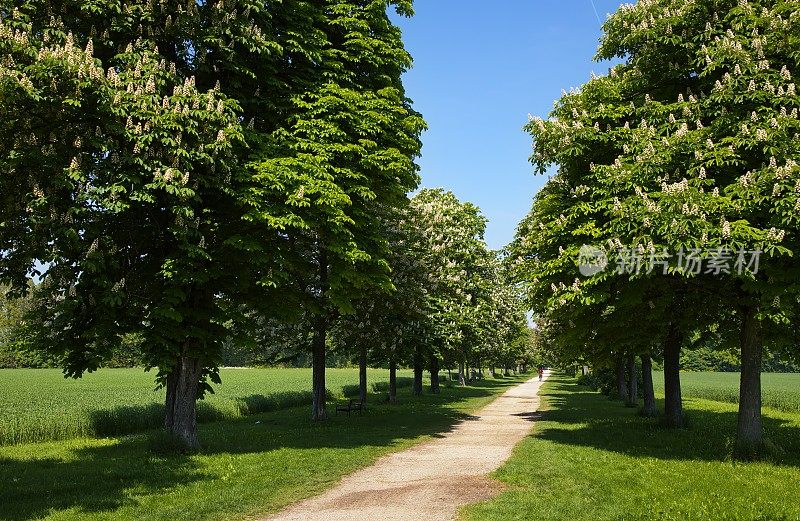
(779, 390)
(246, 467)
(593, 459)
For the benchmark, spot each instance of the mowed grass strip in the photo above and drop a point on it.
(40, 404)
(779, 390)
(593, 459)
(247, 467)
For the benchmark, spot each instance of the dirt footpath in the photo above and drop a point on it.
(431, 481)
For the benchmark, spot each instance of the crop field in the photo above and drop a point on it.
(40, 404)
(779, 391)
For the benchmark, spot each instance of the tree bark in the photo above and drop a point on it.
(461, 379)
(418, 369)
(633, 382)
(434, 369)
(649, 408)
(362, 374)
(318, 398)
(673, 405)
(749, 431)
(622, 387)
(392, 381)
(183, 383)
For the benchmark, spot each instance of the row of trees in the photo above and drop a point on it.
(195, 174)
(677, 168)
(452, 306)
(176, 170)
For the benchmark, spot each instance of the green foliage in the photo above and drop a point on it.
(688, 145)
(450, 296)
(177, 171)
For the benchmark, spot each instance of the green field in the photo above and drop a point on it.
(593, 459)
(40, 404)
(246, 467)
(779, 391)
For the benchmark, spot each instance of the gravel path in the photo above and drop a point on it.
(432, 480)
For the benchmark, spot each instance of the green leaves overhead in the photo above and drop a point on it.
(690, 143)
(161, 160)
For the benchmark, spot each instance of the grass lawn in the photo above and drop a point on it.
(593, 459)
(40, 404)
(778, 390)
(250, 466)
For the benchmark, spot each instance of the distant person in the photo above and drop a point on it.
(541, 373)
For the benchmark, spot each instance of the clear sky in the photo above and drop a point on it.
(480, 68)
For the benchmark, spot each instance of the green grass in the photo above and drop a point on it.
(40, 404)
(590, 458)
(779, 390)
(247, 467)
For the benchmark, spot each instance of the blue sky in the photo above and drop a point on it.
(480, 69)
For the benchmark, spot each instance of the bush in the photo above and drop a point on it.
(604, 380)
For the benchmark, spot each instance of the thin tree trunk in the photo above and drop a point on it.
(622, 387)
(633, 382)
(183, 383)
(749, 431)
(493, 372)
(505, 371)
(418, 368)
(673, 405)
(362, 374)
(392, 380)
(318, 398)
(434, 369)
(461, 379)
(649, 408)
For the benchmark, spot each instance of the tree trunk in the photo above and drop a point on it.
(673, 405)
(392, 380)
(505, 371)
(418, 368)
(318, 397)
(362, 374)
(622, 387)
(183, 383)
(434, 369)
(461, 379)
(749, 433)
(633, 382)
(649, 408)
(493, 372)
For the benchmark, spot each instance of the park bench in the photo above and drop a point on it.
(352, 405)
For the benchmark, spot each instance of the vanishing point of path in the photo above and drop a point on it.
(432, 480)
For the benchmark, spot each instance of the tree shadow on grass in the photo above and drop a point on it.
(94, 478)
(578, 416)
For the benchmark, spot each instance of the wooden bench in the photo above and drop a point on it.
(352, 405)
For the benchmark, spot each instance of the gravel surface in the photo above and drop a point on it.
(432, 480)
